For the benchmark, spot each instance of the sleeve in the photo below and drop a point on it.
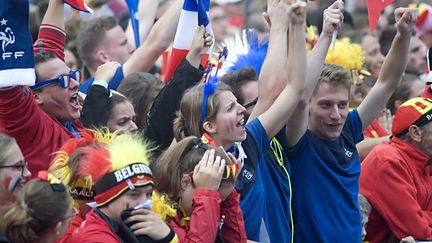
(95, 112)
(406, 218)
(21, 118)
(354, 124)
(258, 134)
(204, 222)
(233, 229)
(163, 111)
(254, 146)
(117, 78)
(50, 39)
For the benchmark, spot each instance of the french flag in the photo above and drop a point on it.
(194, 14)
(79, 5)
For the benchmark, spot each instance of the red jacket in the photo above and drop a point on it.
(93, 230)
(375, 130)
(75, 224)
(37, 134)
(396, 180)
(206, 217)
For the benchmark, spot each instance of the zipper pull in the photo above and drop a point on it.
(221, 222)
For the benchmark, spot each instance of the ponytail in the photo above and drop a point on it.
(38, 208)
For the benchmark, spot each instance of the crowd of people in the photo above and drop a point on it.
(282, 134)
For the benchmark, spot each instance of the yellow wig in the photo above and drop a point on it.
(346, 54)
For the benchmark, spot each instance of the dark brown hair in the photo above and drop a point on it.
(141, 89)
(179, 159)
(239, 78)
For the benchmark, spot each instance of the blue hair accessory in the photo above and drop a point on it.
(210, 81)
(248, 51)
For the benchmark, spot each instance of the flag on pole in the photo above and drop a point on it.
(133, 9)
(375, 7)
(194, 14)
(79, 5)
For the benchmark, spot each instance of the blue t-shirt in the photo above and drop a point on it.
(249, 183)
(113, 84)
(325, 176)
(264, 190)
(277, 213)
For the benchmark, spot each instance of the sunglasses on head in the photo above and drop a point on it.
(62, 80)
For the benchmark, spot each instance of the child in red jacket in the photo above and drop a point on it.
(199, 179)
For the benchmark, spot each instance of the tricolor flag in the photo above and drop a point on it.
(194, 14)
(79, 5)
(133, 9)
(375, 7)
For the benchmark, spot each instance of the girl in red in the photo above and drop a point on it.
(199, 179)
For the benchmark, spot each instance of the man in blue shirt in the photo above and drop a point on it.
(102, 40)
(322, 138)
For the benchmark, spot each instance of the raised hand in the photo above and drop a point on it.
(297, 13)
(277, 16)
(386, 120)
(405, 20)
(209, 171)
(201, 42)
(106, 71)
(333, 18)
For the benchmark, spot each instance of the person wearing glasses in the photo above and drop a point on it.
(43, 118)
(42, 212)
(13, 169)
(199, 181)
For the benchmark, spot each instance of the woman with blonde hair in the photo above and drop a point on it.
(13, 169)
(42, 212)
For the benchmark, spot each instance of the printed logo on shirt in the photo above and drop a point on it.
(248, 175)
(348, 153)
(7, 37)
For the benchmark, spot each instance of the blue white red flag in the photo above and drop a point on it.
(133, 9)
(79, 5)
(194, 14)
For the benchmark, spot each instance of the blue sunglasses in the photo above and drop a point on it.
(62, 80)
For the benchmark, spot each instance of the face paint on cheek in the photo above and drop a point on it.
(11, 183)
(15, 182)
(57, 102)
(6, 182)
(230, 126)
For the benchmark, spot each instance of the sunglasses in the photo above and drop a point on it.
(252, 103)
(63, 80)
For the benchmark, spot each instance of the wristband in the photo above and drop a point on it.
(101, 83)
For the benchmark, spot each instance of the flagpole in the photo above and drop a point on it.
(335, 34)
